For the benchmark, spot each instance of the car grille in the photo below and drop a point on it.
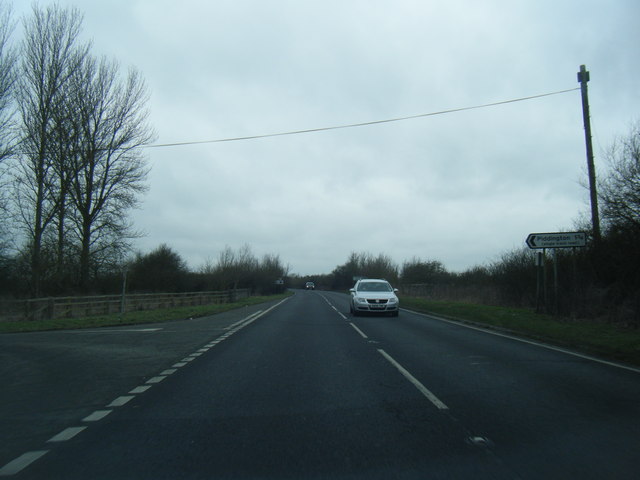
(377, 303)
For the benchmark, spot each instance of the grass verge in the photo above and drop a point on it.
(593, 338)
(132, 318)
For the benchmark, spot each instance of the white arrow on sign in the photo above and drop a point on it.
(557, 240)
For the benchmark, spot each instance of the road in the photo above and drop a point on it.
(300, 389)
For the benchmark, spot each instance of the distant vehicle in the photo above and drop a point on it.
(371, 295)
(310, 286)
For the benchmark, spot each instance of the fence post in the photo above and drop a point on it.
(50, 309)
(124, 292)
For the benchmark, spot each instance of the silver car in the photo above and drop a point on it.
(374, 296)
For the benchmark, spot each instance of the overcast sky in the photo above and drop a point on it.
(461, 188)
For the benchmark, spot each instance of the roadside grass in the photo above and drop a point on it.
(133, 318)
(593, 338)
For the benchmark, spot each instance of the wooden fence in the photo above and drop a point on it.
(78, 307)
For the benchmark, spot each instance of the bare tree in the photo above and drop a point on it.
(7, 80)
(620, 188)
(50, 54)
(162, 270)
(270, 270)
(423, 271)
(236, 269)
(364, 265)
(110, 127)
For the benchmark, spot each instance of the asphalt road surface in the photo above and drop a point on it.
(301, 390)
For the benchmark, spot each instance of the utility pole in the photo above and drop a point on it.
(583, 78)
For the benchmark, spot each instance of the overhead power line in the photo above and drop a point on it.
(362, 124)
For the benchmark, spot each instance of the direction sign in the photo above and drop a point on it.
(557, 240)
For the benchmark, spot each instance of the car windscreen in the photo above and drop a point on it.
(374, 287)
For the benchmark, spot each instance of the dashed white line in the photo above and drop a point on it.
(157, 379)
(424, 390)
(334, 307)
(66, 434)
(140, 389)
(97, 415)
(120, 401)
(23, 461)
(362, 334)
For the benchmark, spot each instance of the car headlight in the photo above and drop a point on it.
(361, 300)
(393, 300)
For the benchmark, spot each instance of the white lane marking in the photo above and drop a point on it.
(169, 371)
(424, 390)
(66, 434)
(23, 461)
(233, 325)
(96, 416)
(120, 401)
(531, 342)
(196, 354)
(157, 379)
(20, 463)
(362, 334)
(250, 319)
(119, 330)
(140, 389)
(344, 317)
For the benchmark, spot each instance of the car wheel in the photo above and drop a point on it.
(395, 314)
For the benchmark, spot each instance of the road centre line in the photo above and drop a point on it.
(334, 307)
(97, 415)
(140, 389)
(120, 401)
(66, 434)
(362, 334)
(23, 461)
(424, 390)
(157, 379)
